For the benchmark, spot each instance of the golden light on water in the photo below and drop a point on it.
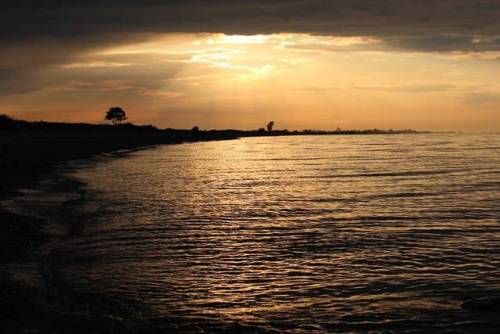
(273, 230)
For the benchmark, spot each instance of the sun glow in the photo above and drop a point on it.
(237, 39)
(298, 80)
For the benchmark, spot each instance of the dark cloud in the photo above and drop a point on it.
(21, 80)
(427, 25)
(71, 19)
(445, 43)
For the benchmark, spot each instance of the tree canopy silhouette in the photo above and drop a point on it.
(270, 126)
(116, 115)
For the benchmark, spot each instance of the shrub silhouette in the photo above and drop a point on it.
(116, 115)
(7, 122)
(270, 126)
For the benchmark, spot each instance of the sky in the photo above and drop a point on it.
(316, 64)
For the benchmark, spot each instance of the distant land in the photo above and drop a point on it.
(30, 149)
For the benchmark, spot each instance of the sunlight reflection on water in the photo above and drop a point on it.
(320, 233)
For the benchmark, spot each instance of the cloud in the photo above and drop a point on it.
(29, 20)
(106, 85)
(37, 33)
(426, 25)
(470, 95)
(445, 43)
(481, 99)
(423, 88)
(162, 94)
(21, 80)
(136, 73)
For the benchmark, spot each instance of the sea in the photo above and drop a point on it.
(299, 234)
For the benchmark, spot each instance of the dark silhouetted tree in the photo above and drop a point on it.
(116, 115)
(270, 126)
(195, 129)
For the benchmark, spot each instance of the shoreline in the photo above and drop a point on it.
(41, 299)
(36, 218)
(45, 215)
(30, 149)
(26, 156)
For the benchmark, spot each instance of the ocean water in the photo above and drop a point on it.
(303, 234)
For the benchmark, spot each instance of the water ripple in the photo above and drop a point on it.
(299, 234)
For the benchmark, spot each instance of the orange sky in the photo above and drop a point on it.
(300, 81)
